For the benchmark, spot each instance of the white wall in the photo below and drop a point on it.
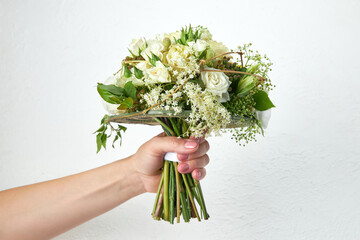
(301, 181)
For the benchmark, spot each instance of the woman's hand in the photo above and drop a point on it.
(149, 159)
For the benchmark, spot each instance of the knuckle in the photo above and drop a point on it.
(175, 142)
(206, 159)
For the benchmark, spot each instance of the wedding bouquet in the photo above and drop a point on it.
(191, 85)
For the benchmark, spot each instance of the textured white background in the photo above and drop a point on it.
(301, 181)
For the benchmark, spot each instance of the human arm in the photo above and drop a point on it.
(44, 210)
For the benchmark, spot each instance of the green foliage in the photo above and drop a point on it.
(153, 59)
(110, 93)
(102, 135)
(138, 73)
(245, 85)
(127, 72)
(262, 101)
(126, 104)
(117, 95)
(130, 90)
(188, 35)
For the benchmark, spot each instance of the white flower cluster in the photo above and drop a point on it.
(206, 112)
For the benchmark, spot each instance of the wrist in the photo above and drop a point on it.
(126, 182)
(133, 176)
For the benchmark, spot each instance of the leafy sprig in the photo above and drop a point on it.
(188, 35)
(102, 135)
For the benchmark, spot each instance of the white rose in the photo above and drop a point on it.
(158, 74)
(199, 45)
(178, 55)
(218, 47)
(217, 83)
(154, 46)
(136, 46)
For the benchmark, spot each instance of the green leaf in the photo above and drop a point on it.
(183, 36)
(109, 92)
(132, 54)
(130, 90)
(103, 140)
(262, 101)
(98, 142)
(101, 129)
(106, 96)
(103, 119)
(191, 34)
(203, 54)
(116, 100)
(122, 128)
(153, 59)
(138, 73)
(111, 88)
(127, 72)
(115, 139)
(127, 103)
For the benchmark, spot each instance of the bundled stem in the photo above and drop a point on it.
(178, 194)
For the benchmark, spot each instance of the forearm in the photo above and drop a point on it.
(44, 210)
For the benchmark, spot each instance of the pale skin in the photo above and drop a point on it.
(45, 210)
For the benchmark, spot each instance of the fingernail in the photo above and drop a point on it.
(182, 157)
(191, 144)
(198, 174)
(184, 167)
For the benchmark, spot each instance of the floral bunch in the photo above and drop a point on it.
(188, 71)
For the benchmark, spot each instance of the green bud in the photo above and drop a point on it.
(166, 42)
(210, 53)
(127, 72)
(245, 85)
(254, 68)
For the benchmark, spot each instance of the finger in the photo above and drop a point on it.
(199, 173)
(202, 150)
(191, 165)
(163, 144)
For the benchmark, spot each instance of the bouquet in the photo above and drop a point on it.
(190, 85)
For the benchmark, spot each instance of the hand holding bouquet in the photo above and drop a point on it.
(193, 86)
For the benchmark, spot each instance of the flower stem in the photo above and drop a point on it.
(166, 191)
(184, 204)
(191, 197)
(158, 193)
(177, 192)
(174, 126)
(165, 126)
(172, 192)
(202, 201)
